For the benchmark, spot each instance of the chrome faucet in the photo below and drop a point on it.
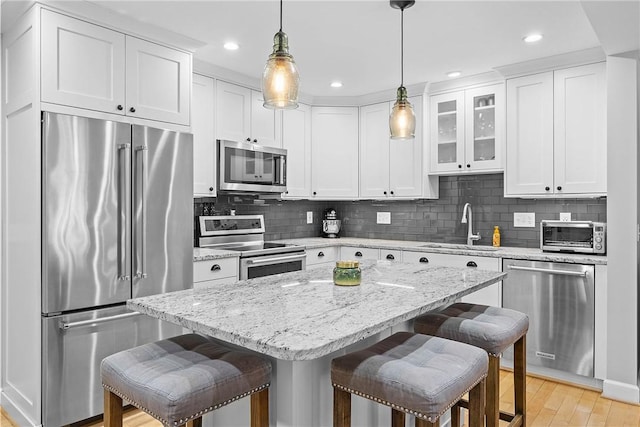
(470, 236)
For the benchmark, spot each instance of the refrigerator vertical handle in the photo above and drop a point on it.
(123, 214)
(141, 268)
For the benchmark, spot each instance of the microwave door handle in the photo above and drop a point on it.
(141, 269)
(123, 211)
(281, 177)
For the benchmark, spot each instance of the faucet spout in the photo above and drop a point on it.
(467, 218)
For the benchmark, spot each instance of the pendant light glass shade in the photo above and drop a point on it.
(402, 121)
(280, 79)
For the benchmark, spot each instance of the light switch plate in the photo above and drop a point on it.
(565, 216)
(524, 219)
(384, 218)
(309, 217)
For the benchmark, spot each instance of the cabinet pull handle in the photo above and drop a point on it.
(133, 110)
(358, 254)
(215, 267)
(390, 257)
(320, 254)
(459, 166)
(472, 264)
(424, 259)
(559, 187)
(119, 107)
(547, 188)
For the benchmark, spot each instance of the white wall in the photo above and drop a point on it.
(623, 208)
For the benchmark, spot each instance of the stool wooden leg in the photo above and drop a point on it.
(341, 408)
(260, 408)
(425, 423)
(397, 418)
(455, 415)
(195, 423)
(520, 378)
(112, 409)
(493, 392)
(476, 405)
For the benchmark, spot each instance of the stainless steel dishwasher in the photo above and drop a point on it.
(559, 300)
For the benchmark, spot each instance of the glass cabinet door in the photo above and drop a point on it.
(447, 132)
(483, 108)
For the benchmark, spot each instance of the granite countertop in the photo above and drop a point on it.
(206, 254)
(303, 315)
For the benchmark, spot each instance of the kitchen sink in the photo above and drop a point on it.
(459, 246)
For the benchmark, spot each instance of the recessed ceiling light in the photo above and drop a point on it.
(453, 74)
(231, 46)
(532, 38)
(336, 84)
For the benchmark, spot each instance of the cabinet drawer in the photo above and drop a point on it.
(391, 255)
(358, 254)
(215, 282)
(215, 269)
(321, 255)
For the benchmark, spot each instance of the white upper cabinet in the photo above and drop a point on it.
(204, 140)
(240, 116)
(334, 152)
(556, 133)
(89, 66)
(296, 139)
(467, 131)
(389, 168)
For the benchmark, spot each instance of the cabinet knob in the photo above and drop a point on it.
(424, 259)
(133, 110)
(390, 257)
(392, 192)
(215, 267)
(120, 107)
(547, 188)
(472, 264)
(358, 254)
(314, 193)
(559, 187)
(459, 166)
(320, 254)
(286, 192)
(468, 165)
(210, 188)
(385, 193)
(248, 139)
(255, 140)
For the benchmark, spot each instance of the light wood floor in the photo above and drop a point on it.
(548, 404)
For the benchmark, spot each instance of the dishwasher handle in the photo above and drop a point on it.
(93, 322)
(549, 271)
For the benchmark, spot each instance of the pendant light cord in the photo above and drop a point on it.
(401, 47)
(280, 15)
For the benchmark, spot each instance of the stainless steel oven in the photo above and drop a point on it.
(245, 235)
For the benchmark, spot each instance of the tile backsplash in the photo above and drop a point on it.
(420, 220)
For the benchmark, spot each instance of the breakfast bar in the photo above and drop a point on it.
(301, 320)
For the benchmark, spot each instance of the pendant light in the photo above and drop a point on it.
(402, 121)
(280, 79)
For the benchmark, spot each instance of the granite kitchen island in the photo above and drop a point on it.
(301, 320)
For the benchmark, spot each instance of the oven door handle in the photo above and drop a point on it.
(275, 259)
(545, 270)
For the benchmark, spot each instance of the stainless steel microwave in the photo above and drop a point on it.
(248, 167)
(587, 237)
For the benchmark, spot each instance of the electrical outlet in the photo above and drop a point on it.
(384, 218)
(309, 217)
(565, 216)
(524, 219)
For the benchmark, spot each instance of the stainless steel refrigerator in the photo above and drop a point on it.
(117, 215)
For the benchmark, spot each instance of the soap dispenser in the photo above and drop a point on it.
(496, 236)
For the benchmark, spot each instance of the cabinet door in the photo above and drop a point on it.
(484, 120)
(405, 160)
(158, 82)
(529, 165)
(296, 139)
(580, 139)
(265, 129)
(83, 65)
(233, 112)
(447, 132)
(374, 151)
(334, 152)
(204, 141)
(358, 254)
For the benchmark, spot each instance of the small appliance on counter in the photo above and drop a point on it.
(586, 237)
(330, 224)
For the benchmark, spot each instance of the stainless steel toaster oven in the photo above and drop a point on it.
(587, 237)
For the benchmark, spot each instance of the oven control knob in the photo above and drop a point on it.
(598, 246)
(598, 239)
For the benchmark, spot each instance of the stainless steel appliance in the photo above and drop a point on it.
(248, 167)
(559, 300)
(586, 237)
(117, 223)
(330, 224)
(245, 234)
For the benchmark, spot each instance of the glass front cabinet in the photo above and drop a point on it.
(467, 131)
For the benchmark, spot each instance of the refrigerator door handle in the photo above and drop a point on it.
(141, 267)
(93, 322)
(123, 220)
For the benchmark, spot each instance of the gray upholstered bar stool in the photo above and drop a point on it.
(412, 373)
(178, 380)
(493, 329)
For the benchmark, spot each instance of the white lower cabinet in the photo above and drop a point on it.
(358, 254)
(213, 272)
(391, 255)
(322, 256)
(491, 295)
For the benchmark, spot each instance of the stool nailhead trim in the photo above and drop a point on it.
(192, 417)
(402, 408)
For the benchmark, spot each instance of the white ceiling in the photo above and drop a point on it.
(357, 42)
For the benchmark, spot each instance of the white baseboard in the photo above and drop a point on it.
(621, 391)
(15, 413)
